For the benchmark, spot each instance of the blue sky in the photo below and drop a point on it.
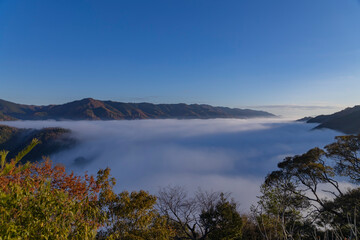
(231, 52)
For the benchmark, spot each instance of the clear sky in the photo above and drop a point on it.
(298, 53)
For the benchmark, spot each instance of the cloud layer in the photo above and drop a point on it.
(299, 111)
(222, 154)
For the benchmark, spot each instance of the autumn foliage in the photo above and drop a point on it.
(43, 201)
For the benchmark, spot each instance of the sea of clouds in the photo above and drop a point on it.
(228, 155)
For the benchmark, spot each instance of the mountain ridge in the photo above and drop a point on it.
(92, 109)
(346, 121)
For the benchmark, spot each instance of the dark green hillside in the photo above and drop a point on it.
(52, 141)
(91, 109)
(6, 133)
(346, 121)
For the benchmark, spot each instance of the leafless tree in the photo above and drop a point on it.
(184, 211)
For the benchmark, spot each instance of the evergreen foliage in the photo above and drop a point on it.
(306, 198)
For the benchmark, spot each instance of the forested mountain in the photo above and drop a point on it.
(52, 140)
(346, 121)
(91, 109)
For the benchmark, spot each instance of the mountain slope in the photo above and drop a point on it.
(346, 121)
(52, 140)
(91, 109)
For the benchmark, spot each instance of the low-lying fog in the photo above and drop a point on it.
(221, 155)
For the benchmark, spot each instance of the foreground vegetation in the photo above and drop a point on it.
(310, 196)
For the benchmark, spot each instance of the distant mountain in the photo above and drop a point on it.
(304, 119)
(346, 121)
(52, 140)
(91, 109)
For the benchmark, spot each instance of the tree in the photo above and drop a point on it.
(314, 177)
(223, 220)
(311, 175)
(42, 201)
(250, 230)
(43, 214)
(132, 216)
(346, 151)
(278, 211)
(208, 215)
(348, 206)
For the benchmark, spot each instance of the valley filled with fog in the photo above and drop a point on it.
(228, 155)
